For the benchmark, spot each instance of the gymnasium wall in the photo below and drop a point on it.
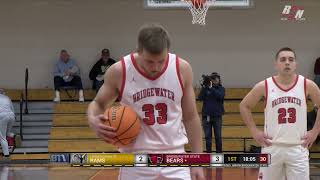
(239, 44)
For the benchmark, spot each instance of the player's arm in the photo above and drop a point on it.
(246, 105)
(106, 96)
(314, 93)
(190, 116)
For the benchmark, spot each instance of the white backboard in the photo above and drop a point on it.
(213, 4)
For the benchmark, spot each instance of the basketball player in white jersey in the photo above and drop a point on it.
(285, 134)
(158, 86)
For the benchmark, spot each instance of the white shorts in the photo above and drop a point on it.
(288, 162)
(154, 173)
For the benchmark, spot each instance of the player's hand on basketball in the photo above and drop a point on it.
(261, 138)
(197, 173)
(309, 138)
(107, 133)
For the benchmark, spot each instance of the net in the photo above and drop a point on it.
(198, 9)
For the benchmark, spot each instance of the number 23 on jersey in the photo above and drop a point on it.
(283, 113)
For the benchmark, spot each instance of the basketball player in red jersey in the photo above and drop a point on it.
(285, 134)
(158, 86)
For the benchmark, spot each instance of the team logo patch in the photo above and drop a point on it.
(155, 159)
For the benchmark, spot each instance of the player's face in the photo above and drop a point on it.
(286, 62)
(152, 64)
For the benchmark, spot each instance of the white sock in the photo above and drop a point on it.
(81, 94)
(57, 94)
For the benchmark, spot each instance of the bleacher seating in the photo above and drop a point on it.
(70, 131)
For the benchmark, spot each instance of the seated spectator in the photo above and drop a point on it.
(7, 118)
(66, 73)
(98, 70)
(317, 72)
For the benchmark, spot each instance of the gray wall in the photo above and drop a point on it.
(240, 44)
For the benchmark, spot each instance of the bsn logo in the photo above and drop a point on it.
(294, 13)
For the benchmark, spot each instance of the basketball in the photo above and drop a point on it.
(198, 3)
(126, 122)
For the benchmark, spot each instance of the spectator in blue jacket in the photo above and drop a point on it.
(212, 94)
(66, 73)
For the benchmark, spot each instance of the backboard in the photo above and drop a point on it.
(164, 4)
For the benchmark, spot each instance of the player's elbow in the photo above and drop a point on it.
(243, 106)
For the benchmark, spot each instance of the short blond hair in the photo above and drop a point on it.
(153, 38)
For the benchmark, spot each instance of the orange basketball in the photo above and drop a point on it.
(126, 122)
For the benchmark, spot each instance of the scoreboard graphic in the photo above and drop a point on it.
(163, 160)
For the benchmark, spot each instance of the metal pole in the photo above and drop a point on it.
(21, 109)
(26, 91)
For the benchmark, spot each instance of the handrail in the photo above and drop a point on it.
(21, 113)
(26, 90)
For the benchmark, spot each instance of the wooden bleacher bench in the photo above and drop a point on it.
(64, 133)
(231, 106)
(97, 145)
(79, 120)
(84, 145)
(71, 91)
(89, 94)
(70, 131)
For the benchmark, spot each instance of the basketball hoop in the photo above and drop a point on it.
(198, 10)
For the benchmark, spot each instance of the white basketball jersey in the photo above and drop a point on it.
(158, 103)
(286, 111)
